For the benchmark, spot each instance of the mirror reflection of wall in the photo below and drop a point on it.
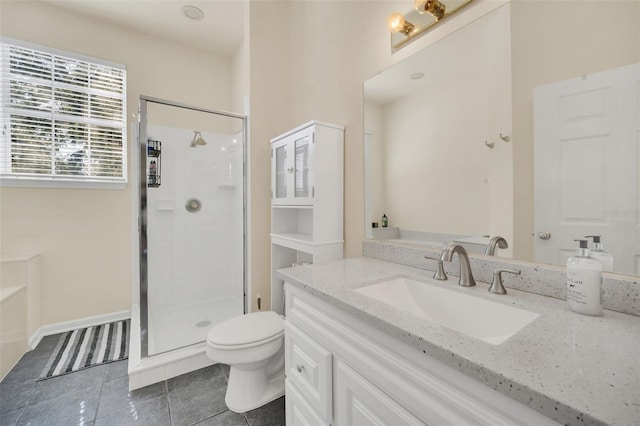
(429, 167)
(479, 82)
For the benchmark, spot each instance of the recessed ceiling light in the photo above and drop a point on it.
(417, 75)
(192, 12)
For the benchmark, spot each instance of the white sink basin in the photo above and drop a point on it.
(482, 319)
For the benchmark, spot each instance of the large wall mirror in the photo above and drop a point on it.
(524, 124)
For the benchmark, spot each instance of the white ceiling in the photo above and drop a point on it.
(221, 31)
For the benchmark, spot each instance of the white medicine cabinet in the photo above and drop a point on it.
(307, 182)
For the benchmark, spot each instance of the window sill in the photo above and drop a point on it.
(59, 184)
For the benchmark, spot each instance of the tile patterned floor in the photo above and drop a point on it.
(99, 396)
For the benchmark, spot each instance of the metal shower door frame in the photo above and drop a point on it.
(142, 207)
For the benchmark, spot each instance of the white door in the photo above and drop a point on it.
(586, 166)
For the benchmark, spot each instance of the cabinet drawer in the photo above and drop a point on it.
(299, 412)
(308, 367)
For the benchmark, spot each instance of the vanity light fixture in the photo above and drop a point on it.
(424, 15)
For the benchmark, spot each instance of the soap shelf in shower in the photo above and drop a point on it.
(154, 152)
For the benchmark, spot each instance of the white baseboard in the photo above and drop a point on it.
(61, 327)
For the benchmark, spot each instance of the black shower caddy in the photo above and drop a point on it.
(154, 160)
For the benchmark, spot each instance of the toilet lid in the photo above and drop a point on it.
(246, 329)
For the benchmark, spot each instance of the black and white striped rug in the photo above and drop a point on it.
(88, 347)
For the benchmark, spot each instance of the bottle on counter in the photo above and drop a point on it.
(598, 252)
(385, 221)
(584, 280)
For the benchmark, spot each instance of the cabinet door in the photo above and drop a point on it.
(280, 170)
(292, 169)
(302, 176)
(298, 411)
(360, 403)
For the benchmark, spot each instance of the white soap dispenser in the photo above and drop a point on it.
(598, 252)
(584, 279)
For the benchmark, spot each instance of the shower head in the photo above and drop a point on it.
(197, 139)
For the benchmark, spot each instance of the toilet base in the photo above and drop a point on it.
(236, 397)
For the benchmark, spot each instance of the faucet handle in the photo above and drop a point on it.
(440, 274)
(496, 284)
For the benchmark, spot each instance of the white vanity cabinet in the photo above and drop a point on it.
(307, 199)
(342, 371)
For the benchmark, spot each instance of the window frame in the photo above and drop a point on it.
(60, 181)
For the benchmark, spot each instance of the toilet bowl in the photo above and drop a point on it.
(253, 346)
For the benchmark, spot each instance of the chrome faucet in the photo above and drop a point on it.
(493, 242)
(466, 277)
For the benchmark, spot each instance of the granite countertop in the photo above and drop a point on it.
(574, 368)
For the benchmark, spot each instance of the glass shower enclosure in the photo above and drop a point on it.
(191, 222)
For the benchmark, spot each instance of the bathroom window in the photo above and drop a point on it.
(63, 119)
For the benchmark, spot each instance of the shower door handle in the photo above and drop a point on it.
(290, 169)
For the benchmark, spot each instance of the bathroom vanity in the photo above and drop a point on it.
(352, 359)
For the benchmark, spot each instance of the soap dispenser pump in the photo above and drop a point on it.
(584, 279)
(598, 252)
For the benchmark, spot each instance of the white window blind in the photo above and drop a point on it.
(63, 117)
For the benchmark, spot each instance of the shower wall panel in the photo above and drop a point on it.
(195, 259)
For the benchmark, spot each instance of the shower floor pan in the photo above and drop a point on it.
(174, 362)
(185, 325)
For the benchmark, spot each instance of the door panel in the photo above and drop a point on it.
(360, 403)
(585, 150)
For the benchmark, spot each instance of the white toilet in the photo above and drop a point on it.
(253, 345)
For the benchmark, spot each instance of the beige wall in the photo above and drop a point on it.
(84, 236)
(554, 41)
(440, 166)
(269, 74)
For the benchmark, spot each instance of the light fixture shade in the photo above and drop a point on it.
(395, 22)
